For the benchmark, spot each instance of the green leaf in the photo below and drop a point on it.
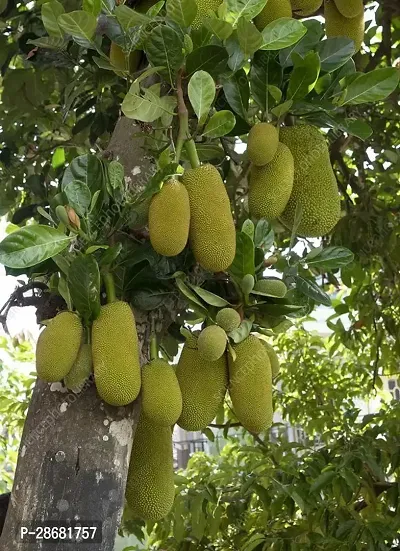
(201, 91)
(330, 258)
(79, 196)
(212, 59)
(310, 289)
(370, 87)
(322, 480)
(86, 169)
(220, 124)
(116, 174)
(84, 286)
(248, 227)
(58, 158)
(242, 332)
(264, 72)
(210, 298)
(207, 152)
(146, 108)
(334, 52)
(50, 13)
(221, 29)
(283, 108)
(79, 23)
(304, 75)
(153, 11)
(164, 46)
(50, 42)
(249, 37)
(32, 245)
(264, 235)
(313, 36)
(237, 59)
(196, 304)
(128, 18)
(243, 262)
(110, 254)
(183, 12)
(245, 8)
(282, 33)
(237, 92)
(92, 6)
(356, 127)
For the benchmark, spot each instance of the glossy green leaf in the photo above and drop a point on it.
(182, 12)
(370, 87)
(78, 23)
(265, 71)
(314, 34)
(147, 107)
(49, 42)
(220, 124)
(92, 6)
(50, 13)
(248, 227)
(212, 59)
(221, 29)
(243, 262)
(249, 37)
(264, 235)
(282, 32)
(164, 46)
(201, 91)
(304, 75)
(209, 298)
(310, 289)
(237, 92)
(194, 301)
(357, 127)
(84, 286)
(116, 174)
(322, 480)
(330, 258)
(242, 332)
(334, 52)
(129, 18)
(283, 108)
(79, 196)
(86, 169)
(245, 8)
(237, 59)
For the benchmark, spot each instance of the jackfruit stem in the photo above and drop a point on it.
(153, 348)
(183, 134)
(192, 153)
(108, 279)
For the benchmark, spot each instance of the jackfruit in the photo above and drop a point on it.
(203, 11)
(124, 61)
(212, 230)
(272, 286)
(305, 8)
(273, 358)
(338, 25)
(115, 352)
(203, 385)
(81, 370)
(250, 385)
(58, 346)
(169, 219)
(274, 9)
(161, 395)
(350, 8)
(315, 189)
(270, 186)
(228, 319)
(150, 490)
(247, 284)
(262, 143)
(212, 343)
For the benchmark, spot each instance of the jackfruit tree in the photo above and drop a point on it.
(160, 252)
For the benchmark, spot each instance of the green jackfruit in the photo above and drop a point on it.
(203, 385)
(305, 8)
(338, 25)
(204, 7)
(169, 219)
(250, 385)
(270, 186)
(228, 319)
(247, 284)
(150, 490)
(81, 370)
(161, 395)
(212, 343)
(315, 189)
(115, 352)
(350, 8)
(272, 286)
(262, 143)
(212, 230)
(274, 9)
(58, 346)
(273, 358)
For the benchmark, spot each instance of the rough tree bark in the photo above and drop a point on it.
(74, 453)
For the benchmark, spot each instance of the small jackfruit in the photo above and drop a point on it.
(270, 186)
(161, 395)
(212, 343)
(150, 490)
(115, 352)
(250, 385)
(203, 385)
(247, 284)
(212, 230)
(273, 287)
(169, 219)
(58, 346)
(304, 8)
(315, 192)
(204, 7)
(338, 25)
(262, 143)
(81, 370)
(274, 9)
(228, 318)
(350, 8)
(273, 358)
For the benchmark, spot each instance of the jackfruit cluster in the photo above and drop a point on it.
(115, 352)
(262, 143)
(350, 8)
(270, 186)
(81, 370)
(304, 8)
(274, 9)
(161, 394)
(169, 219)
(204, 7)
(203, 384)
(336, 24)
(250, 385)
(212, 229)
(272, 286)
(58, 346)
(315, 194)
(150, 487)
(212, 343)
(228, 318)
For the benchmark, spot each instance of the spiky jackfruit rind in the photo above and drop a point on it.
(270, 186)
(338, 25)
(250, 385)
(81, 370)
(204, 9)
(161, 394)
(150, 487)
(350, 8)
(273, 287)
(212, 229)
(115, 352)
(274, 9)
(262, 143)
(203, 385)
(169, 219)
(212, 343)
(228, 318)
(273, 358)
(315, 192)
(304, 8)
(58, 346)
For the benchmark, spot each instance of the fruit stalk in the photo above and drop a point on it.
(110, 287)
(183, 134)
